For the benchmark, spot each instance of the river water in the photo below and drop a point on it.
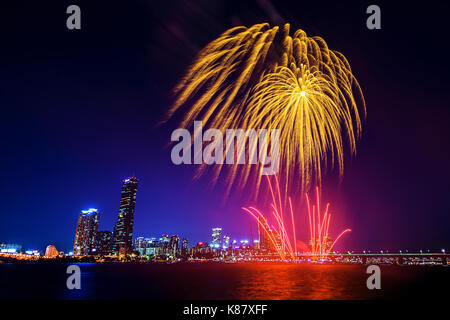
(220, 281)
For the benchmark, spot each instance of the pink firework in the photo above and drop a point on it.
(284, 242)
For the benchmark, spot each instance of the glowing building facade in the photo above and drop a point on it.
(226, 242)
(263, 242)
(201, 248)
(123, 229)
(140, 245)
(51, 252)
(323, 245)
(103, 246)
(184, 245)
(10, 248)
(174, 245)
(276, 243)
(216, 236)
(153, 247)
(165, 244)
(86, 232)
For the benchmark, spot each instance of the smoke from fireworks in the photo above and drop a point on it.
(263, 78)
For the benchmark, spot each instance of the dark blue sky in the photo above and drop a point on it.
(80, 111)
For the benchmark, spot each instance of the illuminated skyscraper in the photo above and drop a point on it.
(201, 248)
(103, 246)
(86, 232)
(328, 243)
(184, 245)
(216, 236)
(165, 244)
(140, 245)
(226, 242)
(276, 244)
(174, 245)
(123, 230)
(153, 247)
(324, 243)
(262, 235)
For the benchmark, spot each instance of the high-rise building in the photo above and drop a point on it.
(326, 243)
(153, 247)
(226, 242)
(184, 245)
(276, 243)
(216, 237)
(86, 232)
(165, 244)
(263, 227)
(174, 245)
(201, 248)
(140, 245)
(103, 246)
(123, 230)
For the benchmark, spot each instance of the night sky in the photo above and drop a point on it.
(80, 112)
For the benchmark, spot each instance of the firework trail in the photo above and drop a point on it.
(263, 78)
(279, 236)
(320, 240)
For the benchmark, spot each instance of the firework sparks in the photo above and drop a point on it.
(285, 243)
(263, 78)
(319, 224)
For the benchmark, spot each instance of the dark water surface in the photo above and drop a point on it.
(220, 281)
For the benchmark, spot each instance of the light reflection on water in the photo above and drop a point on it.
(272, 281)
(290, 282)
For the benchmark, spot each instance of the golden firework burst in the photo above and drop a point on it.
(263, 78)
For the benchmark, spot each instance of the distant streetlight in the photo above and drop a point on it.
(443, 250)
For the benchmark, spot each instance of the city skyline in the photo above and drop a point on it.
(89, 238)
(91, 217)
